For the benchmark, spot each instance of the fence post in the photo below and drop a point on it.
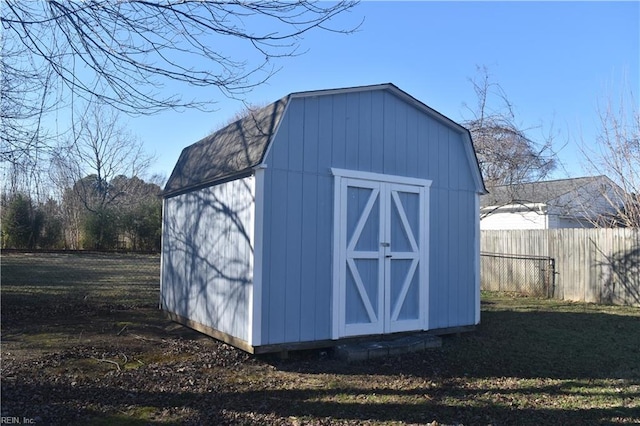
(552, 270)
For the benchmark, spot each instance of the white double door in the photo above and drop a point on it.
(382, 271)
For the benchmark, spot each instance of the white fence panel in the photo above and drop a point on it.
(592, 265)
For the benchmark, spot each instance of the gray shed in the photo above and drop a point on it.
(323, 216)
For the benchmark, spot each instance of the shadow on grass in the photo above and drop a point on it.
(547, 344)
(527, 345)
(517, 368)
(527, 363)
(448, 404)
(41, 278)
(533, 344)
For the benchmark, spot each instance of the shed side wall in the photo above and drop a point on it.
(372, 132)
(207, 264)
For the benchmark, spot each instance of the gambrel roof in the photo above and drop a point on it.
(231, 151)
(237, 149)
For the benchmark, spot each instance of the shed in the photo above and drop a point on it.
(323, 216)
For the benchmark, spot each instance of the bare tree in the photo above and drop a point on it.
(101, 147)
(616, 154)
(124, 53)
(22, 136)
(507, 156)
(247, 110)
(90, 167)
(23, 97)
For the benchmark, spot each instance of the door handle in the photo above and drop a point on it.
(385, 244)
(388, 256)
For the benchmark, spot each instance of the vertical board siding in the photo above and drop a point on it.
(434, 159)
(443, 156)
(592, 265)
(436, 287)
(274, 286)
(311, 133)
(293, 250)
(323, 259)
(308, 264)
(352, 133)
(295, 149)
(466, 250)
(377, 133)
(452, 260)
(455, 153)
(366, 131)
(388, 132)
(207, 264)
(400, 136)
(364, 154)
(325, 139)
(413, 143)
(337, 123)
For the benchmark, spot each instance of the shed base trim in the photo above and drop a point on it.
(212, 332)
(295, 346)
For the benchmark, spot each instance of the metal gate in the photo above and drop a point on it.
(530, 275)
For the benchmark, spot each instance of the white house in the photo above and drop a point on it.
(564, 203)
(323, 216)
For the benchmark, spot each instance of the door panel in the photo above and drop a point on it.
(404, 289)
(364, 279)
(403, 259)
(382, 250)
(363, 215)
(404, 221)
(362, 291)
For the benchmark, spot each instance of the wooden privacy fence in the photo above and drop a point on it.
(591, 265)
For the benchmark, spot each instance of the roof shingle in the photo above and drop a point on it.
(231, 151)
(534, 192)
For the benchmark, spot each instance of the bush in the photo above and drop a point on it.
(21, 223)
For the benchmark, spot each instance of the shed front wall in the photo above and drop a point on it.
(207, 256)
(372, 131)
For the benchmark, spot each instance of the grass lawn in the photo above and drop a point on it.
(84, 343)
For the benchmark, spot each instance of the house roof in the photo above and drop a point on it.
(535, 192)
(235, 150)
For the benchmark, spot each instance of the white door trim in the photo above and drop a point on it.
(342, 247)
(379, 177)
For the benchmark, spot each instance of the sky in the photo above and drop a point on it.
(555, 61)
